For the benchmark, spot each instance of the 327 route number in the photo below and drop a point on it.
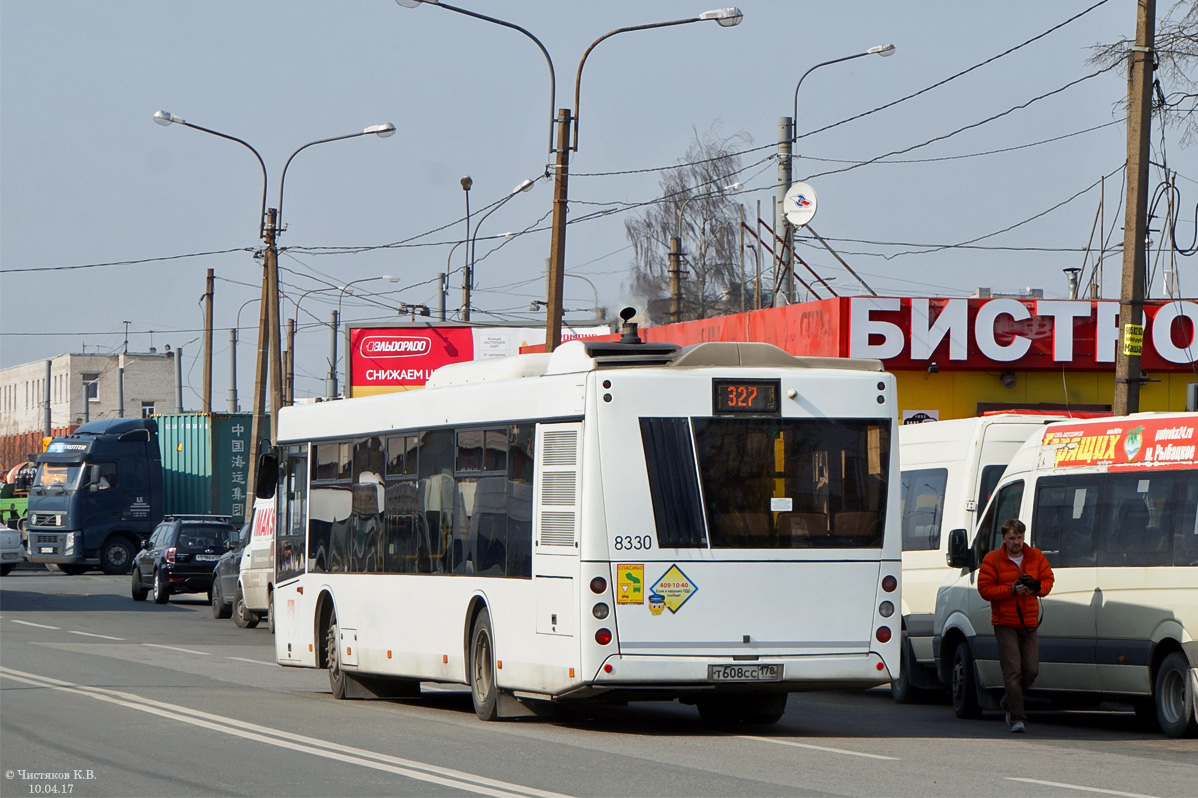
(633, 542)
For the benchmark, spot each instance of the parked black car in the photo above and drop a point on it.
(225, 595)
(180, 555)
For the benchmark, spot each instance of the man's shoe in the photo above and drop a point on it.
(1017, 727)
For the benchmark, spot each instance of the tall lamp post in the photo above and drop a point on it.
(331, 387)
(269, 338)
(468, 282)
(465, 313)
(789, 133)
(725, 17)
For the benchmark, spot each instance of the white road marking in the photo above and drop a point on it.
(777, 741)
(420, 771)
(38, 625)
(176, 648)
(89, 634)
(255, 661)
(1079, 787)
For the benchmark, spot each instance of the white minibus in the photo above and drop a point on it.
(1113, 504)
(949, 469)
(611, 521)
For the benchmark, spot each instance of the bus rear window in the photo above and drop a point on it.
(793, 483)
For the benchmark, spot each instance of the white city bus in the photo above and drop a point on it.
(612, 521)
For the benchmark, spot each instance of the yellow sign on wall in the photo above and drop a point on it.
(630, 583)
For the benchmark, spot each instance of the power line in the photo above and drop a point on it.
(125, 262)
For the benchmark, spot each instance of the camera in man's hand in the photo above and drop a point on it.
(1031, 584)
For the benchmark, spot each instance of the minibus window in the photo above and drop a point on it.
(923, 507)
(1004, 507)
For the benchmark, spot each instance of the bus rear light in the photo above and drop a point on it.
(879, 666)
(444, 659)
(883, 634)
(886, 609)
(889, 584)
(170, 554)
(598, 585)
(603, 637)
(607, 668)
(600, 610)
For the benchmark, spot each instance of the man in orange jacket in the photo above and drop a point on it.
(1012, 579)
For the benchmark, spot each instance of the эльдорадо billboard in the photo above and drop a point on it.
(388, 359)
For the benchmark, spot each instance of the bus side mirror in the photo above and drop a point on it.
(267, 478)
(959, 555)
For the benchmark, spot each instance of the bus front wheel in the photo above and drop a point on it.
(482, 669)
(333, 653)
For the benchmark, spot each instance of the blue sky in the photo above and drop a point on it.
(87, 178)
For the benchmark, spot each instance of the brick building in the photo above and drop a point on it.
(83, 387)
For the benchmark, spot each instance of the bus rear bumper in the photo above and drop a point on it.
(682, 675)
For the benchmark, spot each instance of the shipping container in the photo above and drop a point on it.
(206, 463)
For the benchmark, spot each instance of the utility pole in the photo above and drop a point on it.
(785, 178)
(233, 370)
(276, 337)
(675, 279)
(1131, 292)
(290, 362)
(258, 424)
(330, 383)
(209, 289)
(557, 240)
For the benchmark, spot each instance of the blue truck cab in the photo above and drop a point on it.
(96, 495)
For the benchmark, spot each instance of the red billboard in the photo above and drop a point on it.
(1078, 334)
(386, 359)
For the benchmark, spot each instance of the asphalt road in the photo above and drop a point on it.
(102, 696)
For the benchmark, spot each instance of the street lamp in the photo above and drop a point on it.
(465, 311)
(725, 17)
(269, 338)
(468, 281)
(331, 388)
(784, 163)
(485, 18)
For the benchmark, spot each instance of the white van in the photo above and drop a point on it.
(256, 577)
(949, 469)
(1113, 504)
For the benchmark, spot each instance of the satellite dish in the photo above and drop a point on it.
(799, 204)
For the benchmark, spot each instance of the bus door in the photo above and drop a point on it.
(294, 641)
(1066, 523)
(557, 497)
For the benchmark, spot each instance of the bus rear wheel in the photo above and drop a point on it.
(481, 673)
